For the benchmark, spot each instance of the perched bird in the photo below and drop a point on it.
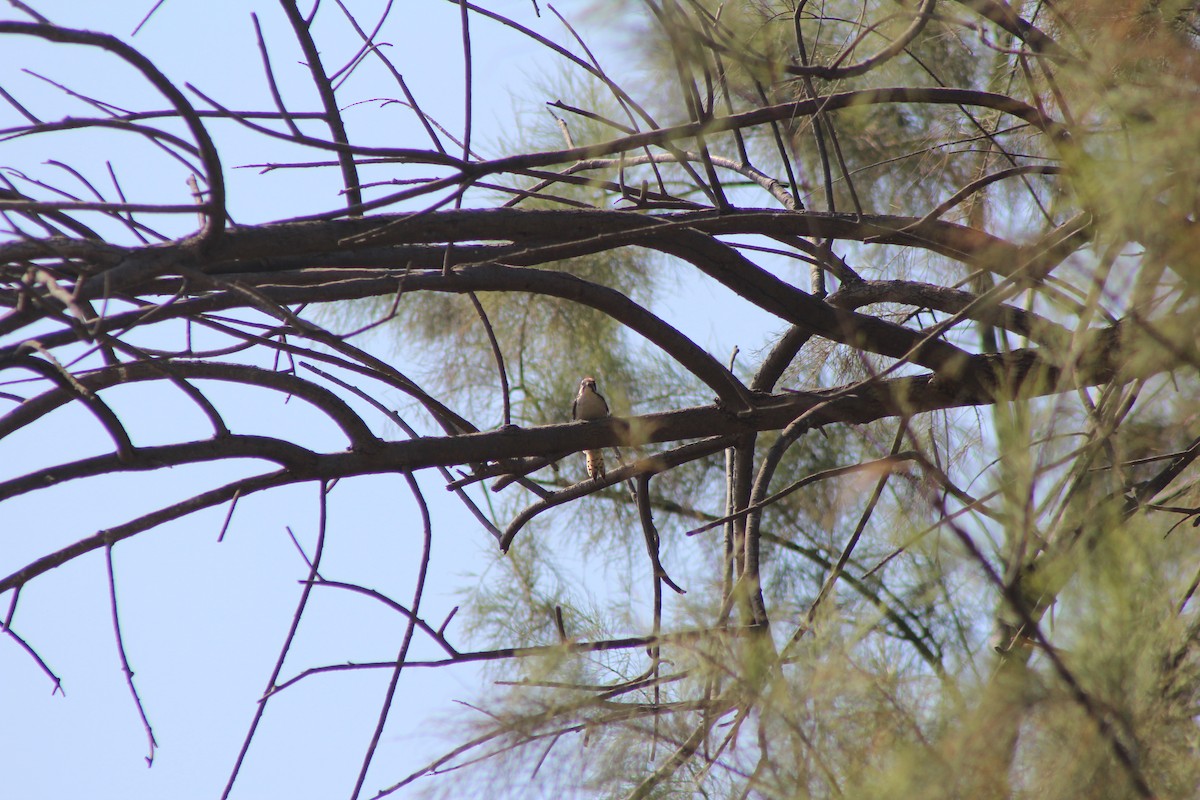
(590, 405)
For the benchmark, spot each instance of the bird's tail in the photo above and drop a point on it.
(595, 464)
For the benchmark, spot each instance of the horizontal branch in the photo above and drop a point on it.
(527, 226)
(1113, 353)
(296, 460)
(777, 113)
(253, 251)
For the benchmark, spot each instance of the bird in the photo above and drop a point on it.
(590, 405)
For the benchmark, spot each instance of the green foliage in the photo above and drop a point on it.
(1020, 625)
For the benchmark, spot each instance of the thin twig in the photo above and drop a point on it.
(301, 605)
(402, 656)
(125, 668)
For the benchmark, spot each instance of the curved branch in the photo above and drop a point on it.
(497, 354)
(462, 280)
(216, 497)
(893, 49)
(298, 461)
(651, 536)
(1003, 15)
(748, 280)
(411, 616)
(70, 387)
(987, 180)
(125, 668)
(76, 123)
(357, 431)
(215, 205)
(942, 298)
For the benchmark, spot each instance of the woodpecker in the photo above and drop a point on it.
(590, 405)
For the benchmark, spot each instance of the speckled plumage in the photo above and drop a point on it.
(589, 405)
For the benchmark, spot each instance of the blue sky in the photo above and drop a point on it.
(203, 620)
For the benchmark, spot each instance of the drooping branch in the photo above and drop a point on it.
(356, 431)
(214, 207)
